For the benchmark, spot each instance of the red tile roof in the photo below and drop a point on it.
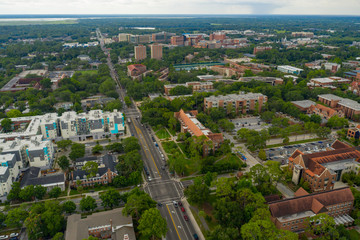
(338, 144)
(301, 192)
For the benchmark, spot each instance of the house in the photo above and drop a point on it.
(291, 214)
(33, 176)
(322, 169)
(103, 225)
(106, 173)
(325, 112)
(135, 70)
(190, 124)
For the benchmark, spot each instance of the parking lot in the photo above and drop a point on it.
(282, 154)
(254, 123)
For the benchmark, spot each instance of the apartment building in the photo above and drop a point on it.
(218, 36)
(226, 71)
(289, 69)
(322, 169)
(241, 103)
(5, 181)
(124, 37)
(348, 106)
(261, 49)
(195, 86)
(106, 173)
(9, 161)
(190, 124)
(156, 51)
(94, 124)
(303, 34)
(354, 132)
(177, 40)
(292, 213)
(136, 39)
(140, 52)
(325, 112)
(328, 82)
(34, 176)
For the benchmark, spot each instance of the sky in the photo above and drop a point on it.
(291, 7)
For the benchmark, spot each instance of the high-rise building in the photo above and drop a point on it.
(177, 40)
(156, 51)
(140, 52)
(124, 37)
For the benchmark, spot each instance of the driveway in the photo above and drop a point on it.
(286, 191)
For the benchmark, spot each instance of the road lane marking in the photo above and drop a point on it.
(139, 132)
(173, 222)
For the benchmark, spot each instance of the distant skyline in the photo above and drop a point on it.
(286, 7)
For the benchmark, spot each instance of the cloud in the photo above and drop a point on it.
(323, 7)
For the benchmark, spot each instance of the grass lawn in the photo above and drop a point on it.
(162, 134)
(354, 235)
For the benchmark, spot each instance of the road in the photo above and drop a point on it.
(160, 186)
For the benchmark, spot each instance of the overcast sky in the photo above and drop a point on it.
(323, 7)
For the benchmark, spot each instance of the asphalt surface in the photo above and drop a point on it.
(160, 186)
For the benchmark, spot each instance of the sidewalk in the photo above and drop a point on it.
(285, 190)
(192, 219)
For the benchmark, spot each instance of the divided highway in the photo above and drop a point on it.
(160, 186)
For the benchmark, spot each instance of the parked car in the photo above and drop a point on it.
(3, 237)
(180, 203)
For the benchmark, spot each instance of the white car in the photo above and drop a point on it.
(14, 234)
(4, 237)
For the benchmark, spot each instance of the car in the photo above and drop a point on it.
(175, 204)
(163, 167)
(159, 204)
(149, 178)
(4, 237)
(180, 203)
(14, 234)
(183, 209)
(186, 218)
(196, 237)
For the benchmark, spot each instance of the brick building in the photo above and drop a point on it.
(303, 34)
(195, 86)
(156, 51)
(354, 132)
(190, 124)
(177, 40)
(324, 112)
(303, 105)
(219, 36)
(226, 71)
(261, 49)
(348, 106)
(291, 214)
(243, 102)
(135, 70)
(322, 169)
(140, 52)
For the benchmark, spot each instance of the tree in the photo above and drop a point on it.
(27, 193)
(91, 168)
(209, 177)
(63, 162)
(130, 144)
(137, 203)
(323, 132)
(267, 116)
(69, 207)
(16, 217)
(40, 191)
(58, 236)
(262, 154)
(197, 193)
(6, 124)
(224, 187)
(315, 118)
(97, 149)
(323, 226)
(152, 225)
(55, 192)
(46, 83)
(87, 204)
(127, 101)
(337, 122)
(110, 199)
(77, 151)
(14, 113)
(63, 144)
(14, 192)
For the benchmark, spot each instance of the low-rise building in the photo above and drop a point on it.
(348, 106)
(328, 82)
(261, 49)
(33, 176)
(324, 112)
(189, 123)
(322, 169)
(271, 80)
(354, 132)
(303, 34)
(303, 105)
(333, 67)
(5, 181)
(292, 214)
(103, 225)
(243, 102)
(195, 86)
(135, 70)
(289, 69)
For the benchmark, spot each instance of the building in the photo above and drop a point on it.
(303, 105)
(218, 36)
(106, 173)
(124, 37)
(156, 51)
(161, 37)
(95, 100)
(64, 105)
(271, 80)
(322, 169)
(348, 106)
(289, 69)
(328, 82)
(324, 112)
(353, 75)
(23, 81)
(140, 52)
(5, 181)
(333, 67)
(354, 132)
(240, 103)
(190, 124)
(291, 214)
(9, 161)
(302, 34)
(226, 71)
(177, 40)
(34, 176)
(84, 58)
(103, 225)
(195, 86)
(135, 70)
(136, 39)
(94, 124)
(261, 49)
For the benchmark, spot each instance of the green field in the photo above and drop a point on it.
(162, 134)
(90, 72)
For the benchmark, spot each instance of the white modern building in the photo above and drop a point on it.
(289, 69)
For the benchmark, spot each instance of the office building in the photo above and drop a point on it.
(292, 214)
(240, 103)
(137, 39)
(156, 51)
(289, 69)
(322, 169)
(348, 106)
(140, 52)
(190, 124)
